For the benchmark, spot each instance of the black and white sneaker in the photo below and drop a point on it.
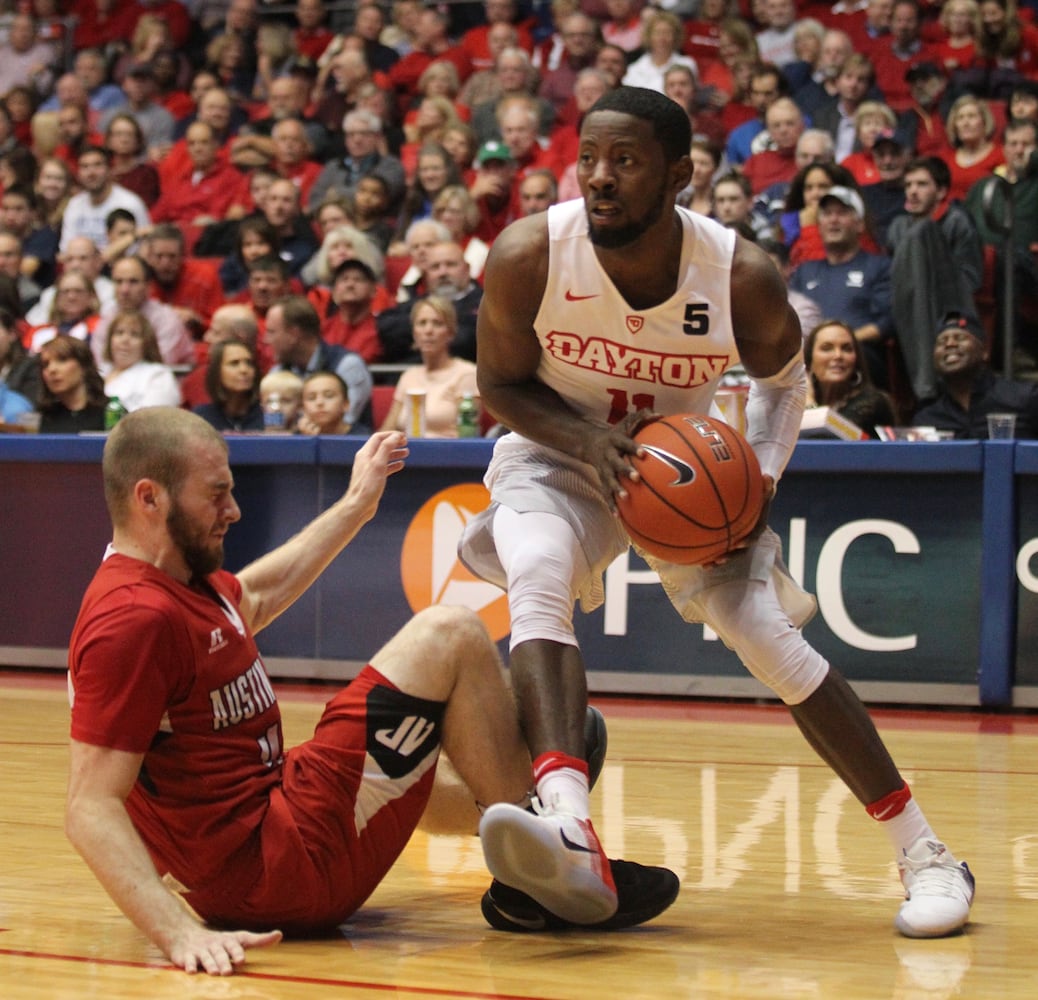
(643, 893)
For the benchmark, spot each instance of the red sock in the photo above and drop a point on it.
(890, 805)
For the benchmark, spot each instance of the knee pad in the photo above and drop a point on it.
(750, 620)
(544, 564)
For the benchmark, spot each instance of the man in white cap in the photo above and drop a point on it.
(850, 283)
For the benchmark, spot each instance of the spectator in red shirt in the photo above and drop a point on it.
(582, 38)
(75, 133)
(518, 121)
(171, 84)
(960, 24)
(173, 13)
(494, 189)
(871, 30)
(312, 36)
(679, 84)
(975, 152)
(351, 322)
(204, 192)
(785, 124)
(100, 23)
(189, 285)
(703, 32)
(565, 139)
(292, 152)
(214, 110)
(475, 42)
(923, 121)
(904, 49)
(431, 43)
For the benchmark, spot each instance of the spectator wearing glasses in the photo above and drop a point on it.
(362, 132)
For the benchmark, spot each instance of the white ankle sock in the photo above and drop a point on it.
(565, 790)
(907, 827)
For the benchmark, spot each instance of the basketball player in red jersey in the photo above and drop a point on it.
(179, 780)
(596, 314)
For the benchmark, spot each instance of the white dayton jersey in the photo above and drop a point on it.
(607, 359)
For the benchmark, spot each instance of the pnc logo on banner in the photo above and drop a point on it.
(429, 567)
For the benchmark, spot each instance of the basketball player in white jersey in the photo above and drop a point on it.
(597, 313)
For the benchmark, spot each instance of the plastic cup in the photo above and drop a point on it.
(416, 413)
(1001, 426)
(30, 422)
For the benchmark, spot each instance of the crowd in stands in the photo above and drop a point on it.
(199, 196)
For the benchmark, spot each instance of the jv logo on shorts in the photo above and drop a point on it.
(407, 737)
(429, 567)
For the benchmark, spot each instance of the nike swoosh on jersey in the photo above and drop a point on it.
(570, 297)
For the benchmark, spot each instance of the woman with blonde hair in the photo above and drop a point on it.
(975, 153)
(434, 116)
(662, 38)
(275, 50)
(871, 120)
(458, 211)
(960, 21)
(726, 79)
(439, 79)
(442, 379)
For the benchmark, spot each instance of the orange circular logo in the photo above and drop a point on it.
(430, 570)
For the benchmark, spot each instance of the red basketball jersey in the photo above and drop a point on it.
(171, 671)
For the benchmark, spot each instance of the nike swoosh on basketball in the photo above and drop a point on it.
(570, 297)
(685, 473)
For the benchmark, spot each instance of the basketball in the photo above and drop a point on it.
(699, 491)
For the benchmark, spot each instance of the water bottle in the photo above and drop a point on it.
(273, 414)
(114, 412)
(468, 417)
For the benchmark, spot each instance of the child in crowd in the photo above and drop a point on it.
(288, 387)
(325, 399)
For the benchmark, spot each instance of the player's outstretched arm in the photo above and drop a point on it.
(99, 827)
(275, 581)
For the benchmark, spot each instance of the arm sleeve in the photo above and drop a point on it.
(773, 412)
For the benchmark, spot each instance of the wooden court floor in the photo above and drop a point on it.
(789, 891)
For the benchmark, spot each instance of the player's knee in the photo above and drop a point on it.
(793, 673)
(447, 626)
(541, 612)
(773, 650)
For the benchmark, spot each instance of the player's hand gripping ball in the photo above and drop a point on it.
(700, 491)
